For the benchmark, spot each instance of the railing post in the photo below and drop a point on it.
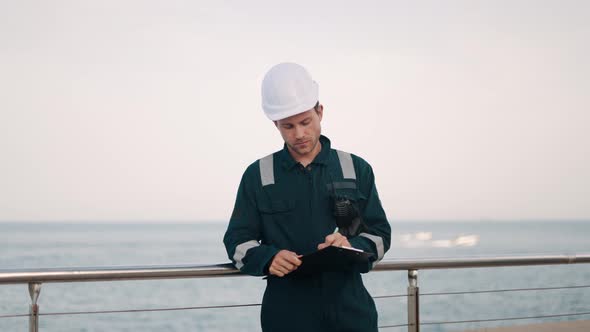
(413, 302)
(34, 290)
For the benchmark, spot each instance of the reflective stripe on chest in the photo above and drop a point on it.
(267, 175)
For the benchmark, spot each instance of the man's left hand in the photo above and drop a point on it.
(336, 239)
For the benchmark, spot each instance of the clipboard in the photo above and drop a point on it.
(331, 259)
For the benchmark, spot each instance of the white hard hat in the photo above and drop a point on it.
(287, 89)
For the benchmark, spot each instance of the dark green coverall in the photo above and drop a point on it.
(295, 213)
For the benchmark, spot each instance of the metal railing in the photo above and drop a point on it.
(36, 277)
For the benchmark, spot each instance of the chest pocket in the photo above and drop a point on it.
(280, 210)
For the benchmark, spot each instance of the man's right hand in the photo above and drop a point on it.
(284, 262)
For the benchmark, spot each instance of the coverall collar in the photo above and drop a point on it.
(289, 162)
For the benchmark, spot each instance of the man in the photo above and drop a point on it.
(285, 208)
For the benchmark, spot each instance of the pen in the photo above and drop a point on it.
(335, 230)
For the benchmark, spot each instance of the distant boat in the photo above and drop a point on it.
(423, 236)
(442, 243)
(425, 239)
(466, 240)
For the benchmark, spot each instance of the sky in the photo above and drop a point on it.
(150, 110)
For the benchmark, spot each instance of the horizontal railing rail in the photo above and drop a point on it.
(77, 274)
(35, 277)
(259, 304)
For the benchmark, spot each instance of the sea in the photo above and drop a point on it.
(83, 244)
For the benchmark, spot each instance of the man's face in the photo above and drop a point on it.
(301, 132)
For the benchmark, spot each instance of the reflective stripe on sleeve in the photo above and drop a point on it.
(378, 244)
(346, 165)
(241, 251)
(267, 173)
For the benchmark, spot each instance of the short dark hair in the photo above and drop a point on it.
(316, 106)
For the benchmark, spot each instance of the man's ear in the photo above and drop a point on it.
(320, 111)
